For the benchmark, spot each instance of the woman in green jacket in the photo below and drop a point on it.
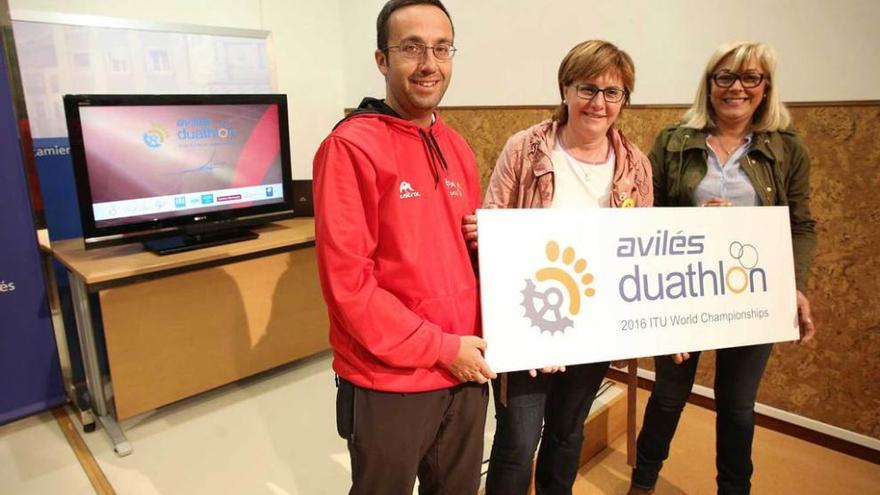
(733, 148)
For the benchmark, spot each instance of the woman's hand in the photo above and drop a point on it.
(717, 202)
(805, 318)
(469, 230)
(547, 369)
(680, 357)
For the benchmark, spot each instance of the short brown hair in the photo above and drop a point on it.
(390, 7)
(591, 59)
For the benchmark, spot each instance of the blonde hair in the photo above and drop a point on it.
(591, 59)
(771, 115)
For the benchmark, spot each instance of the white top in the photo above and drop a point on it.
(581, 184)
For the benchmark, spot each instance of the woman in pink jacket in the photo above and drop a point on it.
(577, 159)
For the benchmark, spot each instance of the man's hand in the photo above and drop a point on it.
(469, 230)
(680, 357)
(469, 365)
(805, 318)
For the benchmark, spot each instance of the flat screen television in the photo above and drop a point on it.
(178, 172)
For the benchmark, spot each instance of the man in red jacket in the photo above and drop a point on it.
(391, 185)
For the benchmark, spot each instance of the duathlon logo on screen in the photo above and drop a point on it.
(155, 136)
(196, 129)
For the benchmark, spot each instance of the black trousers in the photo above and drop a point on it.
(558, 402)
(738, 373)
(393, 438)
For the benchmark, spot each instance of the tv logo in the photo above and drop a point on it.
(547, 309)
(155, 136)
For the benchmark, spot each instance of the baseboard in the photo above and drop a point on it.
(810, 430)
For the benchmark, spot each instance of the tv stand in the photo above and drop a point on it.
(188, 242)
(176, 326)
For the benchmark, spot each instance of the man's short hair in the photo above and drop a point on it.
(393, 5)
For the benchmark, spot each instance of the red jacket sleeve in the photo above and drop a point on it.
(346, 236)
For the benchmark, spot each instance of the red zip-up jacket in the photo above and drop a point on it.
(395, 271)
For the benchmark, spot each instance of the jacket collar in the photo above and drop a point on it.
(540, 147)
(542, 140)
(689, 138)
(374, 107)
(769, 144)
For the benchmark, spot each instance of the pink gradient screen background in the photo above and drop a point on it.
(122, 166)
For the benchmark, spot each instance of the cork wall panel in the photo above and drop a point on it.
(487, 131)
(834, 380)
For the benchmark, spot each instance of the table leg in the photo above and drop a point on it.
(120, 444)
(94, 379)
(632, 386)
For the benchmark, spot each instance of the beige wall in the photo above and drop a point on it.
(305, 44)
(510, 49)
(229, 13)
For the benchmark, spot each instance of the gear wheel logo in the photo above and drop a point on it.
(546, 308)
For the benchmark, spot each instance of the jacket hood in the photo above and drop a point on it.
(369, 106)
(376, 108)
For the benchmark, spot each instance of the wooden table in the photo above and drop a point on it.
(178, 325)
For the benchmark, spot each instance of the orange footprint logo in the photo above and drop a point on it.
(544, 308)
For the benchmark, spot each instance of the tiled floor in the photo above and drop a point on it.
(275, 435)
(36, 460)
(783, 464)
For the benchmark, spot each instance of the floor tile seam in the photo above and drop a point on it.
(84, 456)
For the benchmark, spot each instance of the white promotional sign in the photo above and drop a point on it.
(562, 287)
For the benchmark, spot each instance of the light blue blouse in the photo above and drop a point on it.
(729, 182)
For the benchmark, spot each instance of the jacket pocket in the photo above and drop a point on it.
(456, 313)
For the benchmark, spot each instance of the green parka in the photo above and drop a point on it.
(777, 165)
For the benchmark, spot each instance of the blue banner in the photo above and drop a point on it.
(55, 170)
(60, 205)
(30, 374)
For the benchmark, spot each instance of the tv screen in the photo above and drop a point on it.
(150, 165)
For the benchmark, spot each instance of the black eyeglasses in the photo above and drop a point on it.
(612, 94)
(413, 50)
(726, 79)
